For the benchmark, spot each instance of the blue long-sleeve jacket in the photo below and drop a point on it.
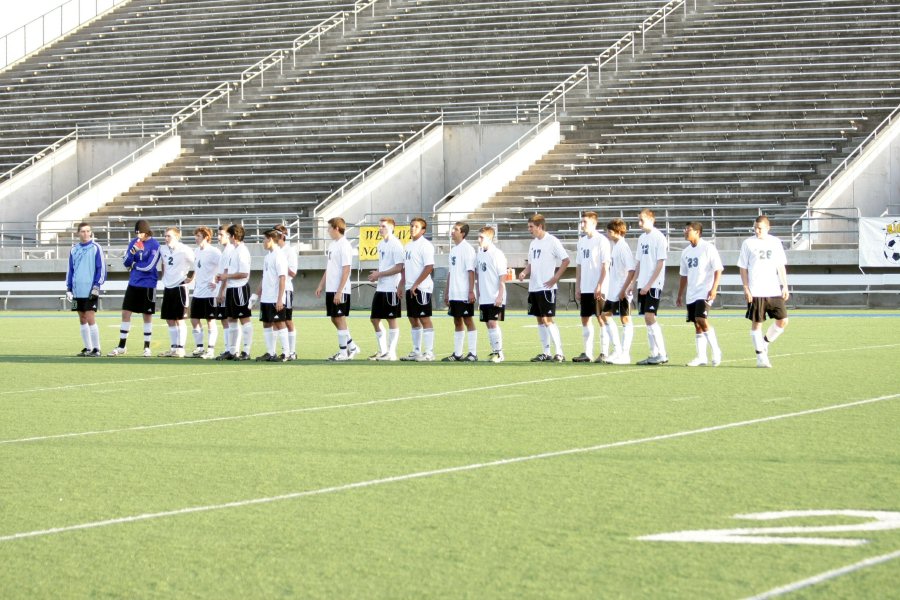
(87, 269)
(143, 264)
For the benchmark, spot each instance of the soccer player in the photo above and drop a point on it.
(701, 268)
(142, 259)
(203, 304)
(271, 299)
(762, 263)
(229, 333)
(293, 263)
(236, 295)
(417, 269)
(84, 277)
(177, 271)
(592, 282)
(490, 266)
(460, 296)
(649, 276)
(621, 276)
(386, 301)
(544, 254)
(336, 285)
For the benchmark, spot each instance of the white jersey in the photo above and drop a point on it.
(177, 262)
(490, 266)
(274, 266)
(699, 264)
(238, 262)
(544, 256)
(227, 251)
(592, 253)
(206, 265)
(340, 255)
(652, 247)
(293, 261)
(462, 262)
(761, 258)
(621, 263)
(390, 254)
(419, 254)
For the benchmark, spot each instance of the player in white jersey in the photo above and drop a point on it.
(177, 261)
(271, 296)
(762, 263)
(621, 275)
(700, 270)
(649, 275)
(293, 260)
(547, 261)
(236, 295)
(388, 279)
(203, 304)
(336, 285)
(228, 333)
(490, 268)
(460, 296)
(592, 281)
(417, 269)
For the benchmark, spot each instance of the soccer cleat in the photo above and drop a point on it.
(265, 357)
(470, 358)
(496, 357)
(717, 359)
(425, 357)
(351, 352)
(209, 354)
(167, 354)
(452, 358)
(147, 353)
(697, 362)
(179, 353)
(198, 352)
(762, 361)
(290, 357)
(377, 356)
(658, 360)
(542, 358)
(603, 359)
(242, 356)
(387, 356)
(619, 359)
(276, 358)
(341, 357)
(227, 355)
(558, 358)
(84, 352)
(95, 353)
(333, 357)
(582, 358)
(411, 357)
(117, 351)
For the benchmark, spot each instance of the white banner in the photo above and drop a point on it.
(879, 242)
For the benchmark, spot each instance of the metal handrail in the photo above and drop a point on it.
(44, 19)
(40, 154)
(853, 155)
(197, 106)
(800, 229)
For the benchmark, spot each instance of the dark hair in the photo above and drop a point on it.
(538, 220)
(338, 223)
(204, 231)
(83, 224)
(463, 228)
(617, 226)
(236, 232)
(420, 221)
(143, 226)
(696, 226)
(273, 234)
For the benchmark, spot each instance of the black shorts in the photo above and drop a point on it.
(268, 313)
(139, 300)
(621, 308)
(773, 307)
(542, 304)
(204, 308)
(459, 309)
(236, 302)
(490, 312)
(418, 304)
(86, 304)
(649, 302)
(589, 305)
(386, 305)
(221, 310)
(289, 305)
(337, 310)
(698, 309)
(175, 303)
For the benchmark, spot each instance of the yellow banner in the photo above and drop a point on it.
(369, 238)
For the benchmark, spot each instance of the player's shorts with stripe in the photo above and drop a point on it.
(342, 309)
(237, 301)
(621, 308)
(85, 304)
(139, 300)
(649, 302)
(490, 312)
(269, 314)
(204, 308)
(699, 309)
(418, 304)
(773, 307)
(589, 305)
(386, 305)
(542, 304)
(459, 309)
(289, 305)
(175, 303)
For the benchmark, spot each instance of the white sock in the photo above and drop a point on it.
(416, 335)
(587, 334)
(393, 340)
(124, 328)
(197, 331)
(173, 336)
(247, 333)
(759, 344)
(380, 341)
(553, 332)
(86, 336)
(95, 336)
(473, 341)
(458, 338)
(269, 337)
(284, 340)
(428, 340)
(235, 337)
(545, 339)
(292, 341)
(701, 346)
(612, 334)
(627, 337)
(604, 341)
(148, 332)
(773, 333)
(182, 334)
(496, 339)
(651, 341)
(228, 336)
(213, 334)
(713, 342)
(658, 339)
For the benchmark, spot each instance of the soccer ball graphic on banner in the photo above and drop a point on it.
(892, 248)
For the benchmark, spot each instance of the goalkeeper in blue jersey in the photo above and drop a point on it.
(142, 261)
(84, 277)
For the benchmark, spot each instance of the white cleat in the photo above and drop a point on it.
(697, 362)
(209, 354)
(411, 357)
(387, 357)
(351, 352)
(425, 357)
(762, 361)
(619, 359)
(198, 352)
(117, 352)
(717, 359)
(147, 353)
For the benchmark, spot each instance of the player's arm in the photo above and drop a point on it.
(745, 281)
(563, 265)
(714, 291)
(782, 277)
(682, 286)
(604, 271)
(526, 272)
(632, 276)
(321, 286)
(472, 285)
(279, 303)
(422, 277)
(501, 292)
(99, 268)
(447, 293)
(578, 277)
(660, 265)
(342, 285)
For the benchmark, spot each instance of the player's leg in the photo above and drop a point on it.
(471, 335)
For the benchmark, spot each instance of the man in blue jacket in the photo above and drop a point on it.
(142, 259)
(85, 275)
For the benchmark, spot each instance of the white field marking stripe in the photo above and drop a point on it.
(292, 411)
(434, 472)
(822, 577)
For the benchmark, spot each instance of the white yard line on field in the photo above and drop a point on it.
(434, 472)
(826, 576)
